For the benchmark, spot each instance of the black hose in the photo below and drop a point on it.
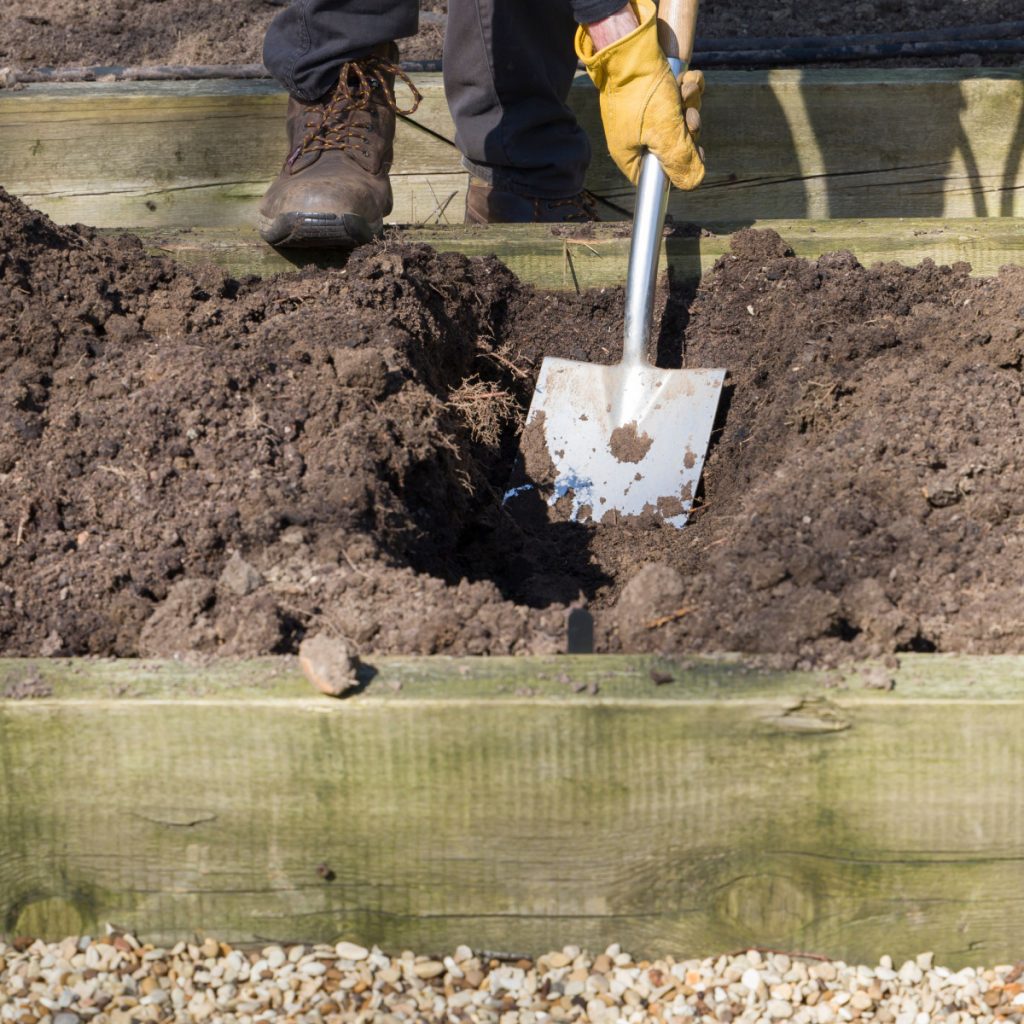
(784, 55)
(999, 30)
(709, 53)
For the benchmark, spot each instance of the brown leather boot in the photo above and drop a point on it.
(333, 190)
(488, 205)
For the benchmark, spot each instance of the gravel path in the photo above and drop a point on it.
(118, 980)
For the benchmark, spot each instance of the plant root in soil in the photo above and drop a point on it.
(195, 465)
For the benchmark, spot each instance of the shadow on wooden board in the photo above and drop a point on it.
(783, 144)
(846, 143)
(1014, 166)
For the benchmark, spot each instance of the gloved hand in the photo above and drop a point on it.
(642, 105)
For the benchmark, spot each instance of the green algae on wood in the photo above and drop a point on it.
(483, 801)
(598, 257)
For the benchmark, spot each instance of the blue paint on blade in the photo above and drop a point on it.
(514, 492)
(581, 492)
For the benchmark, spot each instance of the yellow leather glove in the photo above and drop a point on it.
(642, 105)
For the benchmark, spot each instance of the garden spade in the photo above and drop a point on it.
(628, 439)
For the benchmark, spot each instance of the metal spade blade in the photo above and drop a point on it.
(623, 439)
(629, 438)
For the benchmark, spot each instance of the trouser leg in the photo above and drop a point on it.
(508, 67)
(307, 43)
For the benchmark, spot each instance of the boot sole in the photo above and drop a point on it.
(318, 230)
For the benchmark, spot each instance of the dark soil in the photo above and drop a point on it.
(101, 32)
(160, 426)
(194, 464)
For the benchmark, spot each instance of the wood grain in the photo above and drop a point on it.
(846, 143)
(598, 258)
(482, 801)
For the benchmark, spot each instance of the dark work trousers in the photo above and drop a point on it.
(508, 66)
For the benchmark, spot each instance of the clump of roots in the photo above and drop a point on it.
(486, 409)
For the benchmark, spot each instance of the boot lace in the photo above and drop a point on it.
(578, 209)
(334, 124)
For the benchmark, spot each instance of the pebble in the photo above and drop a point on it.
(428, 969)
(120, 980)
(910, 973)
(750, 980)
(350, 951)
(823, 971)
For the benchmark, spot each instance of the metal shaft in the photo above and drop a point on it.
(648, 225)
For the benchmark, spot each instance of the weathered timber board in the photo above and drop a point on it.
(782, 144)
(484, 802)
(599, 258)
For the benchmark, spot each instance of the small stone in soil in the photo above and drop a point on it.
(239, 577)
(329, 664)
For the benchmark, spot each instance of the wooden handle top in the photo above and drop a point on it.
(677, 27)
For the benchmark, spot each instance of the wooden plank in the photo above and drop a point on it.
(599, 258)
(782, 144)
(186, 153)
(854, 143)
(482, 801)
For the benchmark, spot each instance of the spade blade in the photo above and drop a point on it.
(623, 440)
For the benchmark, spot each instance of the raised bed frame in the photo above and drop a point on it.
(484, 801)
(896, 164)
(684, 807)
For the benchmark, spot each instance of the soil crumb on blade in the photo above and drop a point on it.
(538, 466)
(627, 444)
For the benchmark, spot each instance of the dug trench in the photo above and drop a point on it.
(195, 465)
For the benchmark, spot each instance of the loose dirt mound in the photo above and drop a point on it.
(866, 493)
(189, 463)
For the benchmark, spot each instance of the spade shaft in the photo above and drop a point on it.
(677, 30)
(648, 226)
